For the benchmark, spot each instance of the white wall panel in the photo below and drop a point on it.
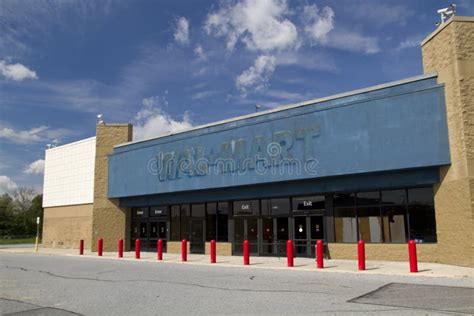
(69, 174)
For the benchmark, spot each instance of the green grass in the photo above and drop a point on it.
(18, 241)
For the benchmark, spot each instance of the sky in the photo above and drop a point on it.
(170, 65)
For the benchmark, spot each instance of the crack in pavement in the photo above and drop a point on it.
(169, 282)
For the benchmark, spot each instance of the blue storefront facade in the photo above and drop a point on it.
(360, 165)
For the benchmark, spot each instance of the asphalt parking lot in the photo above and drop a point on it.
(64, 285)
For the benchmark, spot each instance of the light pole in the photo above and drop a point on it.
(37, 233)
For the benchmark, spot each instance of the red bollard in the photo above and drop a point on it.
(213, 251)
(120, 248)
(289, 253)
(100, 246)
(412, 256)
(81, 247)
(361, 254)
(319, 254)
(184, 250)
(137, 248)
(246, 252)
(160, 249)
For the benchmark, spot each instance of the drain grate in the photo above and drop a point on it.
(421, 296)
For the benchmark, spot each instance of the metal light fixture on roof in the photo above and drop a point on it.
(446, 13)
(257, 107)
(100, 119)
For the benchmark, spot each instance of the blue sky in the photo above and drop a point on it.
(168, 65)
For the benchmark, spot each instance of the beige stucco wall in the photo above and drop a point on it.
(108, 220)
(64, 226)
(392, 252)
(449, 51)
(175, 246)
(222, 248)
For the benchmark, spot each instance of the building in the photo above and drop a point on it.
(383, 164)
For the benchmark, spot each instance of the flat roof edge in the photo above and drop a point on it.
(71, 144)
(444, 25)
(290, 106)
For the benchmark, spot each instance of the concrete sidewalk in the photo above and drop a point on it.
(300, 264)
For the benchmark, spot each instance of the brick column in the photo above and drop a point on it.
(449, 51)
(109, 221)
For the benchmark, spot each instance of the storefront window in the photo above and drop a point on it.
(222, 221)
(345, 224)
(185, 221)
(198, 210)
(370, 224)
(174, 225)
(394, 197)
(250, 207)
(368, 216)
(422, 215)
(211, 221)
(394, 219)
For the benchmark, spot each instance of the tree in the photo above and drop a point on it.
(18, 214)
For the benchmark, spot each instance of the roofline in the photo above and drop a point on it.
(71, 144)
(290, 106)
(445, 24)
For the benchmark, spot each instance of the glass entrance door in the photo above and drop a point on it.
(252, 234)
(307, 230)
(157, 230)
(268, 240)
(300, 236)
(246, 228)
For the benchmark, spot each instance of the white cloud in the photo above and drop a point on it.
(152, 121)
(321, 28)
(308, 60)
(257, 76)
(34, 135)
(181, 34)
(7, 185)
(318, 24)
(259, 25)
(17, 72)
(351, 41)
(199, 51)
(36, 167)
(411, 42)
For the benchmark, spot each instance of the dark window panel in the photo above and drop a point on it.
(198, 210)
(211, 222)
(368, 198)
(344, 199)
(185, 221)
(265, 207)
(280, 206)
(421, 196)
(392, 197)
(175, 223)
(422, 223)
